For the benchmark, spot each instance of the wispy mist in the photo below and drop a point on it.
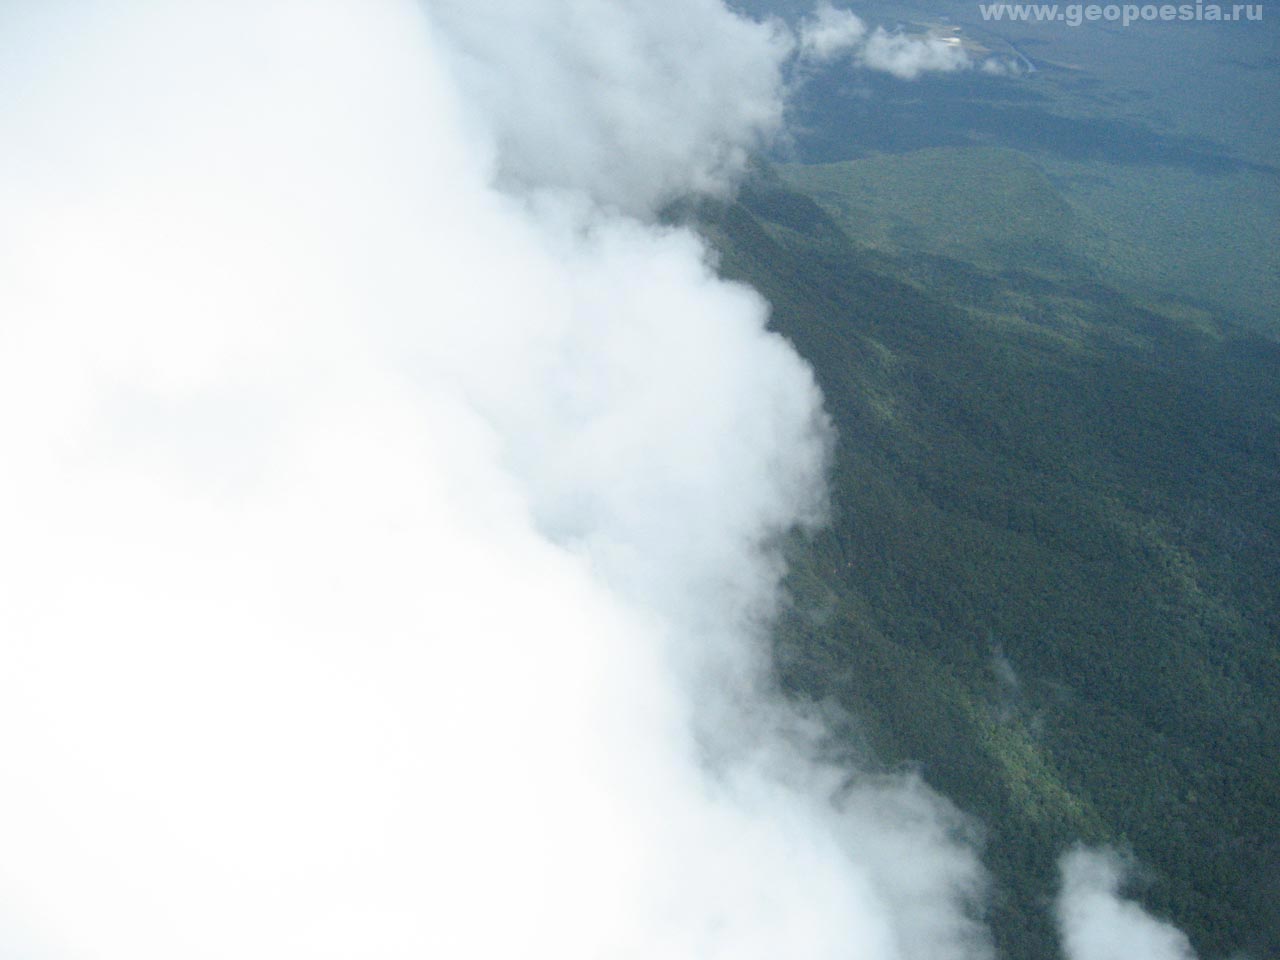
(831, 32)
(1097, 923)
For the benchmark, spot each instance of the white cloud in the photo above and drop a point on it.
(831, 32)
(1001, 68)
(385, 553)
(636, 103)
(1096, 923)
(908, 57)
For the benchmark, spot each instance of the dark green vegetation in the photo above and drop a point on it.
(1052, 579)
(1152, 210)
(1045, 313)
(1164, 231)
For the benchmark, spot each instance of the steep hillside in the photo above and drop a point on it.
(1053, 576)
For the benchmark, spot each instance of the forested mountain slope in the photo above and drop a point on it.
(1052, 579)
